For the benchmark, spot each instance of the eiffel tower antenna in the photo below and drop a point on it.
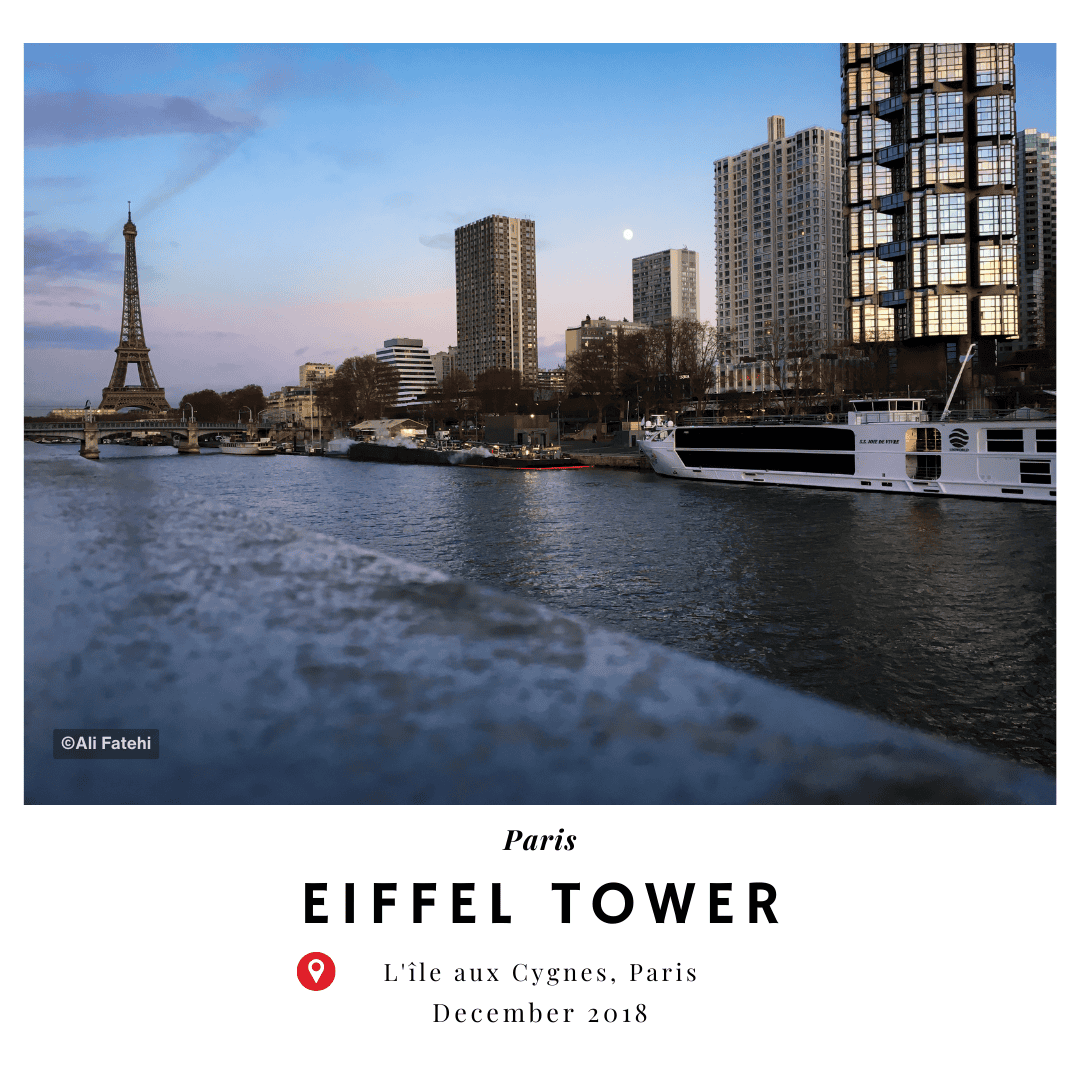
(132, 348)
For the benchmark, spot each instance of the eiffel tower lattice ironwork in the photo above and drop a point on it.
(132, 348)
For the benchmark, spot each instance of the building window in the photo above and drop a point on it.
(994, 115)
(942, 113)
(997, 215)
(946, 264)
(934, 315)
(998, 316)
(870, 323)
(934, 163)
(993, 64)
(997, 264)
(944, 214)
(996, 165)
(943, 62)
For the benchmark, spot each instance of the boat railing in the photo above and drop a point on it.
(503, 450)
(760, 418)
(928, 416)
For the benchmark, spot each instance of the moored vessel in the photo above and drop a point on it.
(248, 447)
(885, 444)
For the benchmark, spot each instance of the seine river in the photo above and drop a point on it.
(935, 613)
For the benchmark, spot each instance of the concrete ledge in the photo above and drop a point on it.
(282, 668)
(633, 460)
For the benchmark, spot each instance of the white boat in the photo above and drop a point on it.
(889, 444)
(258, 448)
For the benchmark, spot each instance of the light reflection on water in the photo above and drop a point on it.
(936, 613)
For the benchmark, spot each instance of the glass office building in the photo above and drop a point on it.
(930, 208)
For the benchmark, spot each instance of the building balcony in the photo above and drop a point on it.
(890, 58)
(894, 298)
(894, 203)
(890, 106)
(896, 250)
(892, 155)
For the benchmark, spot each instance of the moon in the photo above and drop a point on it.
(628, 234)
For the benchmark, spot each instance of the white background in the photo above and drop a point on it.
(161, 942)
(911, 941)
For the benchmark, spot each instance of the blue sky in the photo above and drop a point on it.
(298, 202)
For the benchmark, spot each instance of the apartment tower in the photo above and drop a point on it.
(930, 194)
(1036, 174)
(665, 286)
(495, 260)
(779, 251)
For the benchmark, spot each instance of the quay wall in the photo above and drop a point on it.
(282, 667)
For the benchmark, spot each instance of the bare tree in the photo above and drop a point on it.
(362, 388)
(590, 374)
(694, 349)
(454, 396)
(640, 364)
(499, 391)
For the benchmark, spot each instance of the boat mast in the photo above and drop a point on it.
(967, 356)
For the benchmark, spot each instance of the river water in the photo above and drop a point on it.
(937, 613)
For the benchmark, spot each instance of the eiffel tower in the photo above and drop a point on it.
(132, 348)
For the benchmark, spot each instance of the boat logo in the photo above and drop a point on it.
(958, 438)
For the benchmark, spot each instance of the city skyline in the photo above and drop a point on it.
(299, 203)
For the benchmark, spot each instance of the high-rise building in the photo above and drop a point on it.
(930, 194)
(495, 260)
(665, 286)
(779, 252)
(1036, 173)
(416, 373)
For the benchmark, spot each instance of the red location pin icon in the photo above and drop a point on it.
(315, 971)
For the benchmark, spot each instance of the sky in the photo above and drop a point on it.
(298, 203)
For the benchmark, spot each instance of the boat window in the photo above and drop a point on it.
(1005, 441)
(1046, 440)
(919, 440)
(924, 466)
(905, 406)
(862, 406)
(1034, 472)
(882, 406)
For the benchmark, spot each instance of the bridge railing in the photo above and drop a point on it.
(131, 425)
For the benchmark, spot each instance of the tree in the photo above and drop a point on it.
(641, 361)
(499, 391)
(454, 395)
(362, 388)
(207, 404)
(694, 350)
(212, 407)
(590, 374)
(793, 368)
(247, 397)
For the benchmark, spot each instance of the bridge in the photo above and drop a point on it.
(90, 432)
